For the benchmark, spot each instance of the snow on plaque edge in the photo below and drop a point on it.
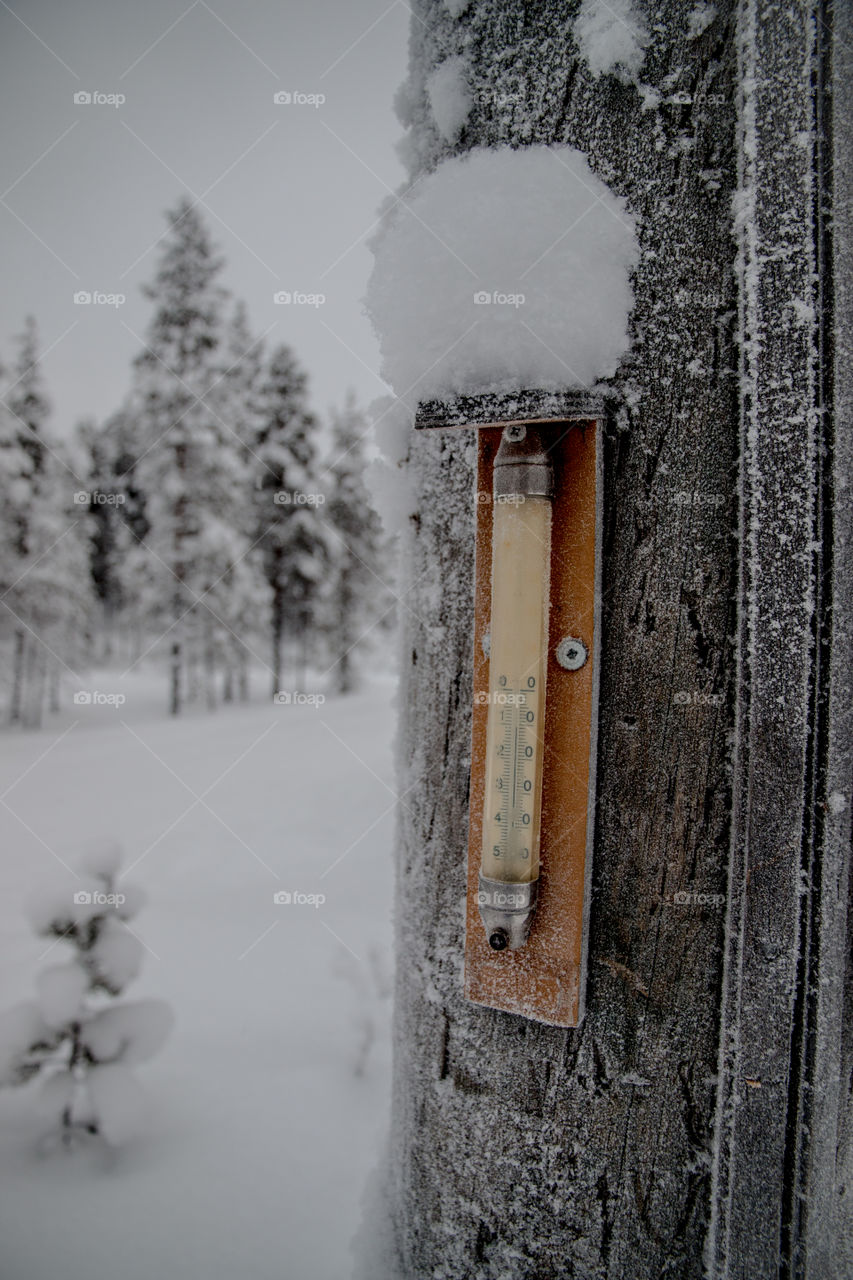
(502, 269)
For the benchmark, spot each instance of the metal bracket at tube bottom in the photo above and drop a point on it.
(507, 910)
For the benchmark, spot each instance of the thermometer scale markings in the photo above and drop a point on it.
(516, 755)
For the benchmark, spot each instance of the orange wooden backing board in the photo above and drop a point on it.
(544, 979)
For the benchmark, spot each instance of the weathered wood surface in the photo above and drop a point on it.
(525, 1151)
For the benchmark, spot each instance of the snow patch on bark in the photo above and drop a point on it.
(699, 19)
(449, 96)
(611, 37)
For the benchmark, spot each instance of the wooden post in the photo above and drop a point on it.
(698, 1121)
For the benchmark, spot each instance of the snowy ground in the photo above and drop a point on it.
(262, 1130)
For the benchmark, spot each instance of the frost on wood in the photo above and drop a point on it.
(500, 270)
(700, 19)
(611, 37)
(83, 1051)
(450, 97)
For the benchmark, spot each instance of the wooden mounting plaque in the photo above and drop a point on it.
(544, 979)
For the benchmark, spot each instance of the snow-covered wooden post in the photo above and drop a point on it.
(698, 1122)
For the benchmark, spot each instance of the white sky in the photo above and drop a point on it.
(289, 192)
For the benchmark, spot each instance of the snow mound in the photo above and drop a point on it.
(501, 270)
(118, 1102)
(60, 991)
(133, 1031)
(450, 97)
(56, 1093)
(102, 858)
(21, 1027)
(116, 957)
(611, 37)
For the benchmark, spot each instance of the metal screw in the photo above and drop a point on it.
(571, 653)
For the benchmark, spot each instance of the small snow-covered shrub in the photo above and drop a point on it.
(80, 1044)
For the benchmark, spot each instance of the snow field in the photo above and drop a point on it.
(266, 1108)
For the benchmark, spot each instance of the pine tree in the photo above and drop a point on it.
(191, 461)
(83, 1052)
(291, 532)
(241, 598)
(27, 399)
(46, 595)
(15, 506)
(108, 535)
(127, 585)
(24, 452)
(358, 590)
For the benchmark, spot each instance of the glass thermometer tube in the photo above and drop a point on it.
(521, 560)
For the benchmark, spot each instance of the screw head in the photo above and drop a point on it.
(571, 653)
(498, 940)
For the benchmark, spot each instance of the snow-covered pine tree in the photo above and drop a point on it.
(108, 537)
(191, 463)
(15, 492)
(291, 531)
(56, 591)
(80, 1045)
(359, 595)
(27, 398)
(48, 597)
(27, 409)
(131, 583)
(241, 598)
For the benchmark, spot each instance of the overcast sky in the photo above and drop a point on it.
(290, 192)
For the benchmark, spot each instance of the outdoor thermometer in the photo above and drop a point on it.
(521, 566)
(537, 531)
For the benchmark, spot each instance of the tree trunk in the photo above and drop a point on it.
(16, 701)
(277, 638)
(193, 663)
(209, 658)
(108, 621)
(690, 1126)
(228, 677)
(34, 676)
(175, 679)
(243, 676)
(54, 705)
(345, 682)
